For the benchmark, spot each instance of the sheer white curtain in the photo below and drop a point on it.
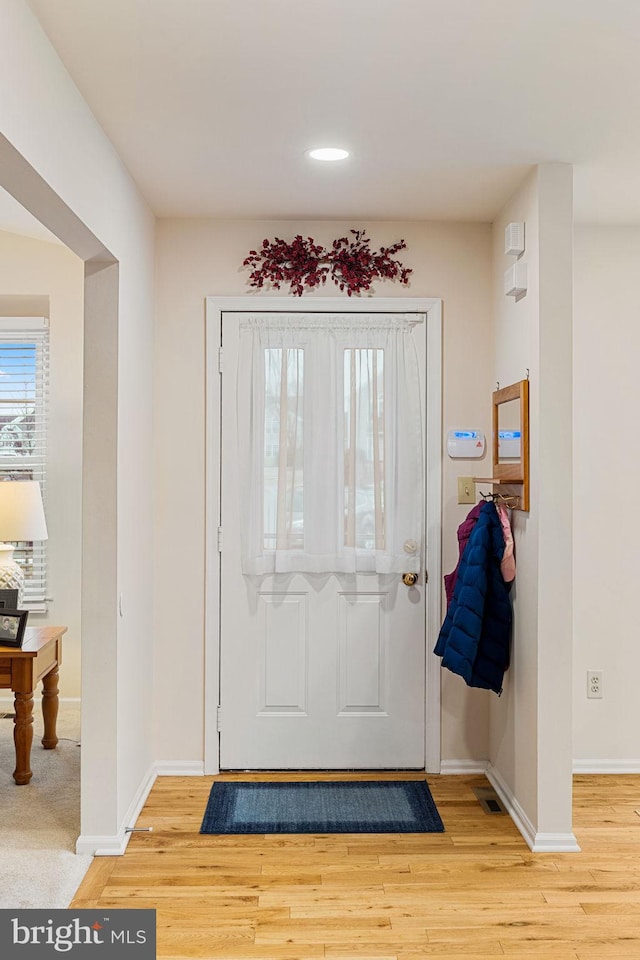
(330, 444)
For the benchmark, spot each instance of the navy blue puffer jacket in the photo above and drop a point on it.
(475, 637)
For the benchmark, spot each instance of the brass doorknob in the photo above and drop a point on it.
(409, 579)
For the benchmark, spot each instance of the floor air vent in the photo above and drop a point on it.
(7, 716)
(489, 800)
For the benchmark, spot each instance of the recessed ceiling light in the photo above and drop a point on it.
(329, 153)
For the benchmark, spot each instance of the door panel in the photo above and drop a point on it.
(282, 639)
(362, 655)
(318, 671)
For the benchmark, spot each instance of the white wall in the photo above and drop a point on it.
(513, 718)
(45, 279)
(58, 162)
(530, 725)
(606, 456)
(197, 258)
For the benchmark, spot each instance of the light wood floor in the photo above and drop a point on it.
(472, 893)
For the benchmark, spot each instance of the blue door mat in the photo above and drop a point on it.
(327, 806)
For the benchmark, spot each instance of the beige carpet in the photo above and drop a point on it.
(40, 822)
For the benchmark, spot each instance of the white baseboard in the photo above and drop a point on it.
(458, 767)
(555, 843)
(606, 766)
(102, 846)
(116, 844)
(537, 842)
(180, 768)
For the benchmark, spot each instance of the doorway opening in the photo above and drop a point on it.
(98, 397)
(351, 669)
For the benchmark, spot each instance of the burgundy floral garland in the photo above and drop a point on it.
(304, 263)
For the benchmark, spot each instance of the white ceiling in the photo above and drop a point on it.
(212, 103)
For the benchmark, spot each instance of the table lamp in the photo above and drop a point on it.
(21, 519)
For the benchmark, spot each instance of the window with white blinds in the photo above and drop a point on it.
(24, 400)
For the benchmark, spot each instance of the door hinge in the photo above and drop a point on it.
(220, 360)
(219, 539)
(218, 718)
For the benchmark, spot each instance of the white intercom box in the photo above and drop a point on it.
(465, 444)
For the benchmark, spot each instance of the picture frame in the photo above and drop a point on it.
(13, 623)
(8, 599)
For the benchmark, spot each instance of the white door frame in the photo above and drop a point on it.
(214, 308)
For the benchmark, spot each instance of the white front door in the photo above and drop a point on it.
(317, 670)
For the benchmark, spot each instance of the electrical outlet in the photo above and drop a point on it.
(466, 490)
(594, 684)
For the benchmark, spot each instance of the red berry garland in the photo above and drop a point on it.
(351, 263)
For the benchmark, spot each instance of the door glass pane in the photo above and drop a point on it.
(283, 449)
(364, 449)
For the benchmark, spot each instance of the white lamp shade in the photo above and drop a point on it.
(21, 511)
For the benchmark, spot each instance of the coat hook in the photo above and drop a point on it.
(527, 373)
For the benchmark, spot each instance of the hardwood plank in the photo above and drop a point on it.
(200, 943)
(427, 951)
(345, 932)
(230, 950)
(182, 891)
(513, 916)
(611, 949)
(602, 896)
(522, 933)
(625, 908)
(93, 882)
(409, 908)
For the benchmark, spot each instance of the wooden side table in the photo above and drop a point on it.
(39, 658)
